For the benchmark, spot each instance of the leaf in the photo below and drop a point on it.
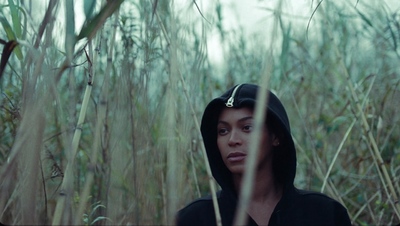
(154, 10)
(392, 33)
(97, 207)
(90, 27)
(88, 8)
(10, 35)
(7, 50)
(99, 219)
(365, 18)
(15, 18)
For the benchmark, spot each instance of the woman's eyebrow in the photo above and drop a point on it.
(240, 120)
(245, 118)
(222, 122)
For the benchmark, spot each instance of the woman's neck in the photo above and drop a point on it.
(265, 187)
(265, 196)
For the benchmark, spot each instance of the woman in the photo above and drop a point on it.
(226, 128)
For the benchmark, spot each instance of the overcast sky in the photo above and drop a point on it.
(251, 16)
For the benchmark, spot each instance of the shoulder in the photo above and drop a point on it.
(201, 211)
(198, 204)
(318, 201)
(313, 197)
(198, 212)
(316, 208)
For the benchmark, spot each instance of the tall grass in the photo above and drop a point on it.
(99, 124)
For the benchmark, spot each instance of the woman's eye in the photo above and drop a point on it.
(222, 131)
(247, 128)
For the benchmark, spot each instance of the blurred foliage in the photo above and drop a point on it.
(130, 166)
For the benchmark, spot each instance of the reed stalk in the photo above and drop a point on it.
(171, 125)
(66, 192)
(89, 177)
(101, 119)
(211, 180)
(340, 148)
(25, 165)
(196, 181)
(386, 180)
(64, 201)
(376, 152)
(24, 158)
(29, 162)
(248, 179)
(133, 139)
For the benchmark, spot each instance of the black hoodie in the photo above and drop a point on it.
(296, 207)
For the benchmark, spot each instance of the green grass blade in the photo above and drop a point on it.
(11, 36)
(88, 8)
(90, 28)
(15, 18)
(364, 18)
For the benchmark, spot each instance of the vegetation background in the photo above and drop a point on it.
(100, 103)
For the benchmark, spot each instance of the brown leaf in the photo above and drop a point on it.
(5, 55)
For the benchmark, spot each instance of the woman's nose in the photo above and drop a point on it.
(234, 138)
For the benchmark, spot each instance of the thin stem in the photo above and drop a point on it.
(197, 125)
(262, 97)
(346, 135)
(101, 117)
(376, 152)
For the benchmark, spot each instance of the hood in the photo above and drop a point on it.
(244, 95)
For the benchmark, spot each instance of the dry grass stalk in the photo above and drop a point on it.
(376, 152)
(100, 123)
(171, 125)
(387, 182)
(132, 183)
(29, 163)
(259, 119)
(336, 155)
(25, 165)
(89, 177)
(67, 184)
(202, 147)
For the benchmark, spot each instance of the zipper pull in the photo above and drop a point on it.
(229, 103)
(231, 99)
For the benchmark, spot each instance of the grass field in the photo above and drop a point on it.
(100, 104)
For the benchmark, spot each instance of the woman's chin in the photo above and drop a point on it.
(237, 169)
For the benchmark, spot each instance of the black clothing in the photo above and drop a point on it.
(296, 207)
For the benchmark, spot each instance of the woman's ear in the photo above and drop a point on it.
(275, 140)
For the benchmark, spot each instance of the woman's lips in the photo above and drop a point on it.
(236, 157)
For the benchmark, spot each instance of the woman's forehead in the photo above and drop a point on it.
(234, 114)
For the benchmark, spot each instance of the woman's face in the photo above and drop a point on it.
(233, 139)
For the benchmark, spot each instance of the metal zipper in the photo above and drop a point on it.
(231, 99)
